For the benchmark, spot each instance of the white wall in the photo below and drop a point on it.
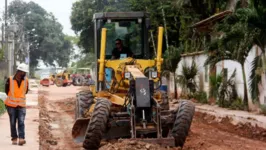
(231, 66)
(200, 60)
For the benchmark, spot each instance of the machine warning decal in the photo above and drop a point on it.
(143, 91)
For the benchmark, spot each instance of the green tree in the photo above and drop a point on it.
(235, 44)
(256, 14)
(172, 57)
(243, 29)
(187, 78)
(42, 30)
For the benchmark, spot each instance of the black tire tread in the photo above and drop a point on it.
(75, 81)
(97, 125)
(183, 122)
(83, 103)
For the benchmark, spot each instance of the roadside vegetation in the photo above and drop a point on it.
(2, 105)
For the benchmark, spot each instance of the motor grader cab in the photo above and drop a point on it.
(124, 101)
(63, 79)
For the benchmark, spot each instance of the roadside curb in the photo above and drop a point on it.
(235, 116)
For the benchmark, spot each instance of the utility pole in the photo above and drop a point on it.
(6, 42)
(3, 36)
(28, 51)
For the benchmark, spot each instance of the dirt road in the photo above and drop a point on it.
(57, 117)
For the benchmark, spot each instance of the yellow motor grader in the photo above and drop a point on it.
(124, 101)
(62, 79)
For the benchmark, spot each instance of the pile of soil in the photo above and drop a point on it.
(56, 119)
(46, 138)
(243, 130)
(67, 105)
(133, 145)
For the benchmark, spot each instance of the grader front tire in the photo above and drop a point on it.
(97, 125)
(183, 122)
(59, 82)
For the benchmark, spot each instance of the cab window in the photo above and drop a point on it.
(130, 32)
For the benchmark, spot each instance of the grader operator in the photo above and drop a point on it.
(125, 102)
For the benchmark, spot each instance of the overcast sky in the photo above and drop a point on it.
(60, 8)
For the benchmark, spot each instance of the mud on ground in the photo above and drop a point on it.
(57, 118)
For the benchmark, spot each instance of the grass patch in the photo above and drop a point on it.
(2, 107)
(263, 109)
(2, 86)
(237, 104)
(201, 97)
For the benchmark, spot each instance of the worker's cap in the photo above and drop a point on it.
(23, 67)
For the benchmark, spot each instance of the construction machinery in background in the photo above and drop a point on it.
(46, 79)
(81, 77)
(125, 102)
(45, 82)
(62, 79)
(52, 78)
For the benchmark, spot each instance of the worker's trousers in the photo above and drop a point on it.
(17, 115)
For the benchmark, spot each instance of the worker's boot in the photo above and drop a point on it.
(21, 142)
(14, 141)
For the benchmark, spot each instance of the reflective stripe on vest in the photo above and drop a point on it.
(11, 99)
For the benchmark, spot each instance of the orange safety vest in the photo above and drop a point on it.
(16, 95)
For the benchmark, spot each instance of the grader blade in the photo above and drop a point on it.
(79, 129)
(170, 141)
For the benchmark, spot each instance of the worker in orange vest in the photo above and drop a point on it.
(16, 89)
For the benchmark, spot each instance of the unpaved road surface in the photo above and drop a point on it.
(57, 117)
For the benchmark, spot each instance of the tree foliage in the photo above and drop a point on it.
(43, 32)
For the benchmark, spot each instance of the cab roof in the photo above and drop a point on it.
(121, 15)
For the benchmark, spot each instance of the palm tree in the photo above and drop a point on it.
(187, 78)
(257, 20)
(243, 29)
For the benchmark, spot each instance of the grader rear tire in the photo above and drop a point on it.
(78, 81)
(183, 122)
(97, 125)
(83, 103)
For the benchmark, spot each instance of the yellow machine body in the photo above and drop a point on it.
(129, 99)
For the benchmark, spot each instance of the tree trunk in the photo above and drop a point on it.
(245, 88)
(175, 85)
(231, 4)
(165, 26)
(153, 44)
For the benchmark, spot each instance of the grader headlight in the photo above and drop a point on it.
(154, 74)
(127, 75)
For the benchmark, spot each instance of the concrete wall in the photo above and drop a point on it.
(203, 71)
(231, 66)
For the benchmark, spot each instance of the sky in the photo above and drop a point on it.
(60, 8)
